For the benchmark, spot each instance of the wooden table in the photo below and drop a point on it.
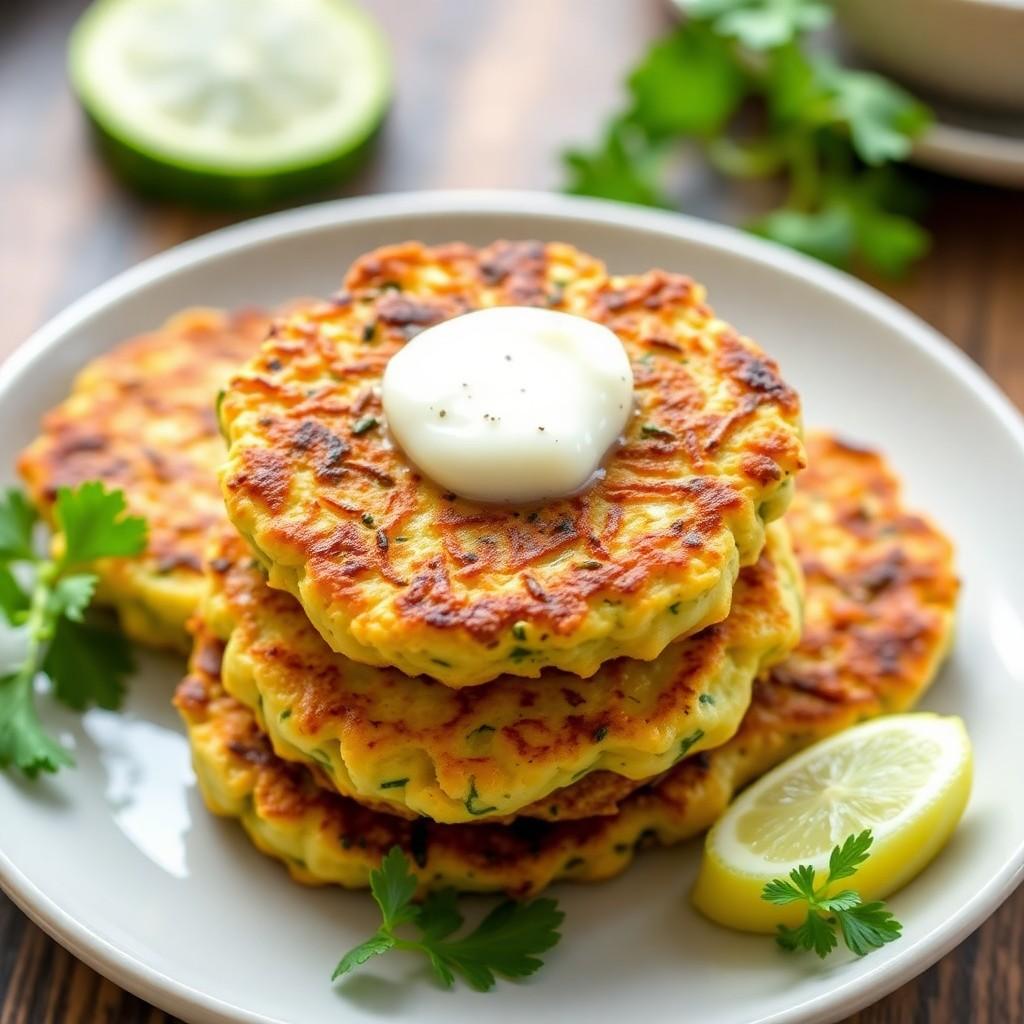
(489, 91)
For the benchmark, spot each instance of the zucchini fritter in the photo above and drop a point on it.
(880, 601)
(141, 418)
(489, 751)
(394, 571)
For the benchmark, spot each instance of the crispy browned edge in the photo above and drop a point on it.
(359, 475)
(879, 622)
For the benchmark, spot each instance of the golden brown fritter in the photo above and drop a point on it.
(489, 751)
(141, 418)
(395, 571)
(881, 594)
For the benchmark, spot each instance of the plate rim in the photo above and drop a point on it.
(971, 154)
(183, 1000)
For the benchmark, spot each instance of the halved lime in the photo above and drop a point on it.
(231, 101)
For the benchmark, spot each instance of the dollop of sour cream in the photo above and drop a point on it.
(510, 404)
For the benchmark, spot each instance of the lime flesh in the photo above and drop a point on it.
(237, 102)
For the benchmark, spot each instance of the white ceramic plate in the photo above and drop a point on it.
(119, 861)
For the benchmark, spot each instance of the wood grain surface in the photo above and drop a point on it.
(489, 92)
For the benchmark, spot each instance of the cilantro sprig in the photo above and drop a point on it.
(739, 81)
(44, 600)
(863, 926)
(507, 941)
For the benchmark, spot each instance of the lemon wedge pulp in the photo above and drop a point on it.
(905, 777)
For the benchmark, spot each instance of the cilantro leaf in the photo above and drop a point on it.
(829, 234)
(827, 132)
(24, 743)
(863, 926)
(17, 519)
(856, 221)
(792, 87)
(889, 242)
(883, 119)
(761, 24)
(507, 942)
(625, 168)
(87, 664)
(688, 84)
(94, 524)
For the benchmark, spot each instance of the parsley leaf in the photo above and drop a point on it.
(356, 957)
(845, 859)
(94, 525)
(507, 942)
(47, 600)
(863, 926)
(393, 886)
(844, 900)
(739, 82)
(87, 664)
(72, 595)
(504, 943)
(439, 914)
(815, 934)
(13, 600)
(23, 741)
(17, 519)
(781, 892)
(868, 926)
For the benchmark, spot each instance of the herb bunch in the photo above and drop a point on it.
(739, 80)
(44, 601)
(863, 926)
(507, 941)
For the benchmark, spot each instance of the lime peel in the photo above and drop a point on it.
(235, 103)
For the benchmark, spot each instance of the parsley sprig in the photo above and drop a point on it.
(44, 600)
(507, 941)
(739, 80)
(863, 926)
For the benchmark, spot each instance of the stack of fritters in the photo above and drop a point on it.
(513, 695)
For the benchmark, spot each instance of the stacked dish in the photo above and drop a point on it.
(511, 693)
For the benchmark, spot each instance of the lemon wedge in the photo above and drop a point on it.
(905, 777)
